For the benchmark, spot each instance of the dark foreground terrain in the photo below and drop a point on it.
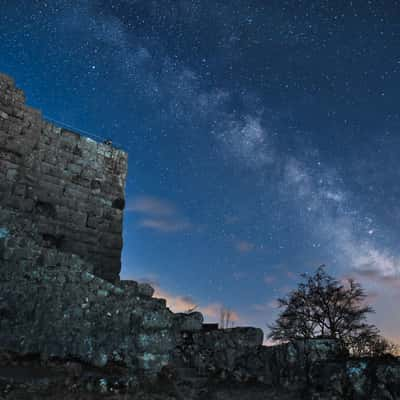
(30, 378)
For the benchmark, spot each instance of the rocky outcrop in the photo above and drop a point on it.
(59, 191)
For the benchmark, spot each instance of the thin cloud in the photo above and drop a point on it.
(243, 246)
(158, 215)
(174, 302)
(151, 206)
(177, 303)
(165, 225)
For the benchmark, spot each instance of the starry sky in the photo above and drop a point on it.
(263, 137)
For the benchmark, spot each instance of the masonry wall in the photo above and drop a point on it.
(61, 194)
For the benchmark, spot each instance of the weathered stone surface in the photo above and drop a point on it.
(145, 289)
(191, 322)
(216, 351)
(69, 313)
(59, 190)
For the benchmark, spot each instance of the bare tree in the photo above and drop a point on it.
(372, 344)
(226, 319)
(321, 306)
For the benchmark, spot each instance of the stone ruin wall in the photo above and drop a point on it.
(61, 194)
(61, 211)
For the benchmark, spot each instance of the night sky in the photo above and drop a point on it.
(263, 137)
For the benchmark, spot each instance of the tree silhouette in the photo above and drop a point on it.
(323, 307)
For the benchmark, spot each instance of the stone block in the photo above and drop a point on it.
(189, 322)
(161, 342)
(146, 290)
(152, 362)
(157, 319)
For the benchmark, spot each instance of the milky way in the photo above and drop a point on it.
(263, 137)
